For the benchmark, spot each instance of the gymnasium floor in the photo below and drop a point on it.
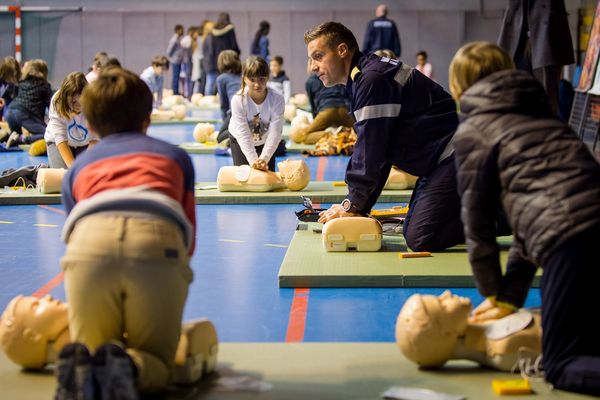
(238, 254)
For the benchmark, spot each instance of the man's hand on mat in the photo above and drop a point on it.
(260, 164)
(490, 310)
(335, 211)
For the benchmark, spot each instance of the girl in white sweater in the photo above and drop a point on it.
(67, 133)
(256, 118)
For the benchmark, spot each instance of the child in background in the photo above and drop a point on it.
(67, 134)
(260, 43)
(153, 77)
(329, 107)
(278, 80)
(28, 109)
(188, 44)
(423, 66)
(512, 153)
(229, 82)
(176, 56)
(10, 74)
(256, 118)
(130, 233)
(100, 59)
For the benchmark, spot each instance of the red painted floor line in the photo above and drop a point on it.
(56, 210)
(297, 321)
(321, 168)
(48, 287)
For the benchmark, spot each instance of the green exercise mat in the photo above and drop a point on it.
(299, 371)
(198, 148)
(292, 147)
(207, 193)
(307, 264)
(27, 196)
(319, 192)
(186, 121)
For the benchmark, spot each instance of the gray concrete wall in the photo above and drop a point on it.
(135, 31)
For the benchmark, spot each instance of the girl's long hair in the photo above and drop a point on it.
(72, 85)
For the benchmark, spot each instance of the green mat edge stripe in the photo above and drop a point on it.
(382, 281)
(188, 121)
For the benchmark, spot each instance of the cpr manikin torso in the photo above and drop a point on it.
(49, 180)
(293, 175)
(400, 180)
(431, 330)
(33, 331)
(352, 234)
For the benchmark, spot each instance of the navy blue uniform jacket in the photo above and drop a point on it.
(402, 118)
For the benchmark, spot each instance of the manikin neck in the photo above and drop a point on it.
(471, 345)
(55, 346)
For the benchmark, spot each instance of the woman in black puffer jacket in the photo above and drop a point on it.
(511, 151)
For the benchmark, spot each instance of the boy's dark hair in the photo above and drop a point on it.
(112, 61)
(118, 101)
(229, 61)
(335, 34)
(278, 60)
(422, 53)
(178, 28)
(160, 61)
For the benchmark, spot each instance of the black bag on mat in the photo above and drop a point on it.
(12, 176)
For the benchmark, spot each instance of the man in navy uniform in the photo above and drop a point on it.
(403, 119)
(382, 33)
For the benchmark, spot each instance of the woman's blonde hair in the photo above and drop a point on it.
(35, 68)
(473, 62)
(254, 67)
(72, 85)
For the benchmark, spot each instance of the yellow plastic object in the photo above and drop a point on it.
(511, 387)
(339, 183)
(38, 148)
(390, 211)
(415, 254)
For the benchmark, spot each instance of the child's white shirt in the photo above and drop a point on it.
(257, 124)
(75, 130)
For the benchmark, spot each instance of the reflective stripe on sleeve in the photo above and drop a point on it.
(377, 111)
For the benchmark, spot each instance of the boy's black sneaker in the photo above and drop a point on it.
(115, 373)
(74, 373)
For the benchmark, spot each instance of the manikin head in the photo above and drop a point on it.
(428, 327)
(28, 327)
(330, 48)
(294, 173)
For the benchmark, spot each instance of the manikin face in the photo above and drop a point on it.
(275, 67)
(428, 327)
(327, 63)
(294, 173)
(256, 85)
(46, 316)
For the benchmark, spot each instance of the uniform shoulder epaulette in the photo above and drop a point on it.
(355, 71)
